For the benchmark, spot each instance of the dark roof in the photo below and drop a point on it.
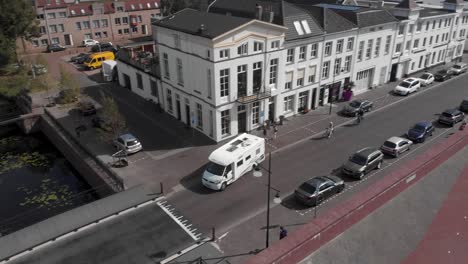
(294, 13)
(366, 17)
(247, 8)
(136, 5)
(428, 12)
(407, 4)
(190, 21)
(52, 4)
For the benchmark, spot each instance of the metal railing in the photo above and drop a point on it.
(244, 98)
(148, 64)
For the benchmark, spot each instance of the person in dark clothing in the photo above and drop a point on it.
(360, 115)
(283, 233)
(264, 132)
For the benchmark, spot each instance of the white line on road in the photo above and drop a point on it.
(223, 235)
(190, 232)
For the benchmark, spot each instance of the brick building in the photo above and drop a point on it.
(69, 23)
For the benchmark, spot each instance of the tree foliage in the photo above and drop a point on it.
(12, 86)
(115, 121)
(69, 87)
(170, 7)
(17, 19)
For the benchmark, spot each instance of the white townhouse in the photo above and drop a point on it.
(230, 70)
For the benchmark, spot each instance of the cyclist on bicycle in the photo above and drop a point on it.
(330, 129)
(360, 116)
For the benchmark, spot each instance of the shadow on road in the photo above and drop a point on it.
(192, 182)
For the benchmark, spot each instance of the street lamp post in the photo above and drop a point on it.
(277, 199)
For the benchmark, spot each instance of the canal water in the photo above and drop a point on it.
(36, 181)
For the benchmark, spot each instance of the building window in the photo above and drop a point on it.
(98, 35)
(290, 56)
(242, 80)
(85, 24)
(275, 44)
(302, 52)
(126, 30)
(35, 43)
(139, 81)
(117, 21)
(224, 82)
(361, 50)
(273, 71)
(96, 24)
(408, 45)
(420, 61)
(288, 81)
(50, 15)
(119, 32)
(208, 81)
(312, 70)
(313, 50)
(124, 20)
(42, 30)
(120, 9)
(53, 29)
(411, 28)
(176, 38)
(325, 69)
(401, 30)
(104, 34)
(339, 46)
(44, 42)
(257, 76)
(350, 44)
(430, 40)
(347, 63)
(55, 41)
(419, 26)
(337, 69)
(387, 44)
(258, 46)
(87, 36)
(437, 39)
(255, 113)
(427, 25)
(300, 77)
(242, 49)
(180, 72)
(370, 43)
(440, 23)
(154, 88)
(328, 48)
(62, 14)
(288, 103)
(199, 116)
(60, 28)
(169, 101)
(166, 66)
(433, 24)
(398, 48)
(416, 44)
(224, 54)
(377, 47)
(225, 123)
(139, 19)
(104, 23)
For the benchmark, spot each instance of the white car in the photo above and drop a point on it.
(128, 143)
(407, 86)
(90, 42)
(459, 68)
(426, 78)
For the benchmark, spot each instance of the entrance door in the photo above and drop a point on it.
(68, 40)
(271, 111)
(314, 99)
(187, 114)
(383, 74)
(334, 92)
(179, 114)
(128, 83)
(321, 95)
(393, 72)
(242, 122)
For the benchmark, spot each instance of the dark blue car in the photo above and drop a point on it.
(420, 131)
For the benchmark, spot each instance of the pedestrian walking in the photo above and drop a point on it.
(330, 129)
(283, 233)
(275, 131)
(264, 132)
(360, 116)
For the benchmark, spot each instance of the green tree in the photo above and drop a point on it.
(17, 20)
(69, 87)
(115, 123)
(12, 86)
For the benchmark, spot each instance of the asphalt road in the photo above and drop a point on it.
(315, 157)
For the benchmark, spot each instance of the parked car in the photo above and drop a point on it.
(102, 123)
(55, 47)
(103, 47)
(353, 107)
(443, 75)
(78, 57)
(451, 117)
(407, 86)
(464, 105)
(313, 191)
(90, 42)
(82, 59)
(38, 69)
(128, 142)
(459, 68)
(394, 146)
(426, 78)
(87, 108)
(362, 162)
(420, 131)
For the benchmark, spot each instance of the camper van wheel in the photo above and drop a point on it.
(223, 186)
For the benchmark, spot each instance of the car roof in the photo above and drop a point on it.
(127, 137)
(452, 111)
(424, 123)
(317, 181)
(410, 80)
(395, 140)
(365, 152)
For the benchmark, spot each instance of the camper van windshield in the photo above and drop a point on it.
(215, 169)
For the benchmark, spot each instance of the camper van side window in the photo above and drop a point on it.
(257, 151)
(228, 169)
(240, 162)
(247, 158)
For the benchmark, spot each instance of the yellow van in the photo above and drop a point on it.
(95, 60)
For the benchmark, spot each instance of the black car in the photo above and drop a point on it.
(79, 57)
(451, 117)
(464, 105)
(353, 108)
(100, 122)
(55, 47)
(420, 131)
(443, 75)
(315, 190)
(103, 47)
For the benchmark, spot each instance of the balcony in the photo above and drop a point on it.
(143, 60)
(243, 98)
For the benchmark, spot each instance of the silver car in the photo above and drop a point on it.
(394, 146)
(363, 162)
(128, 143)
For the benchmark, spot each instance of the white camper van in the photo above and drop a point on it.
(109, 72)
(229, 162)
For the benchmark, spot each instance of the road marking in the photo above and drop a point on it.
(177, 218)
(215, 245)
(167, 154)
(223, 235)
(411, 178)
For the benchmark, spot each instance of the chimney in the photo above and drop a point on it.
(258, 11)
(271, 16)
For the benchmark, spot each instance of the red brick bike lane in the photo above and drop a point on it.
(446, 240)
(313, 235)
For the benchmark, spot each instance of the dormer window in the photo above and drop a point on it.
(242, 49)
(140, 5)
(148, 5)
(258, 46)
(156, 4)
(82, 11)
(132, 6)
(73, 12)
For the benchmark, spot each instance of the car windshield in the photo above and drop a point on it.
(358, 159)
(405, 84)
(307, 188)
(442, 72)
(425, 76)
(419, 128)
(132, 142)
(389, 144)
(215, 168)
(446, 114)
(465, 102)
(355, 104)
(456, 66)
